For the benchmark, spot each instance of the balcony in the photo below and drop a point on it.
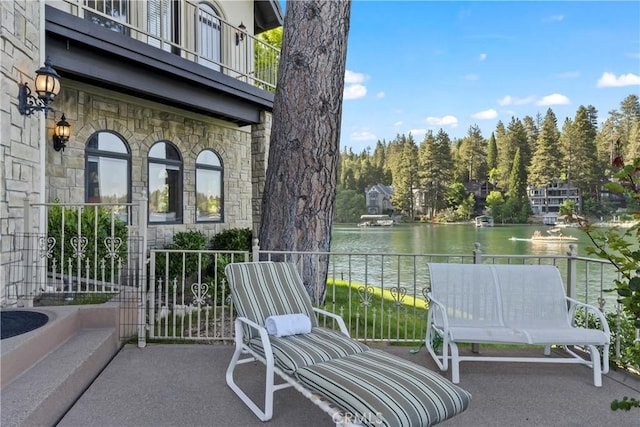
(189, 29)
(183, 384)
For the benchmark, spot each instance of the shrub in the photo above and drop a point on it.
(184, 241)
(233, 239)
(237, 239)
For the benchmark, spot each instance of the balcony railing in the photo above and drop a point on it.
(381, 296)
(186, 28)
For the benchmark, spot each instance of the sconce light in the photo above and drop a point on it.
(47, 86)
(61, 134)
(240, 34)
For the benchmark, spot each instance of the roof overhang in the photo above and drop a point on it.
(86, 52)
(267, 15)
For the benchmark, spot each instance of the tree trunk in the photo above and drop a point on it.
(300, 187)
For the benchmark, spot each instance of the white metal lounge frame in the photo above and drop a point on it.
(481, 318)
(346, 379)
(241, 348)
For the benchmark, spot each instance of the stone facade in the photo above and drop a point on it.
(31, 171)
(261, 135)
(141, 124)
(21, 137)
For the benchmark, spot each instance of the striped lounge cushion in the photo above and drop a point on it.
(296, 351)
(378, 389)
(263, 289)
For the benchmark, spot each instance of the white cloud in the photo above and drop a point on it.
(351, 77)
(554, 99)
(568, 75)
(354, 91)
(362, 135)
(380, 95)
(483, 56)
(442, 121)
(505, 101)
(485, 115)
(611, 80)
(553, 18)
(415, 132)
(398, 124)
(471, 77)
(634, 55)
(509, 100)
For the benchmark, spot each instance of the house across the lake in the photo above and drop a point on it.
(549, 198)
(378, 199)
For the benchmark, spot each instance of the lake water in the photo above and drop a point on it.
(450, 239)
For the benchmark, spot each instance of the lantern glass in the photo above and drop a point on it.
(63, 129)
(47, 82)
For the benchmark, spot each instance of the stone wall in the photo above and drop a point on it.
(141, 123)
(261, 135)
(20, 136)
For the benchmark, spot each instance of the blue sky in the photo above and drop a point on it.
(419, 65)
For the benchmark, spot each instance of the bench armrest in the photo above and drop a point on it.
(438, 309)
(336, 317)
(575, 304)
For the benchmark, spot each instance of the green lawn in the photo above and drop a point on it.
(376, 314)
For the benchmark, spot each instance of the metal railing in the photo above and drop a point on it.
(85, 249)
(187, 28)
(381, 296)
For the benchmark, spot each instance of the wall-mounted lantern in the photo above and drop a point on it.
(47, 86)
(61, 134)
(240, 34)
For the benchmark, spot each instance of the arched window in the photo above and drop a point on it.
(209, 196)
(165, 183)
(208, 37)
(107, 169)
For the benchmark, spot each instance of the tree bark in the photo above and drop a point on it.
(300, 188)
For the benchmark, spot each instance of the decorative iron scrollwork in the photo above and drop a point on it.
(199, 291)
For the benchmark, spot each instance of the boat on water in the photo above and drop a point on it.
(484, 221)
(376, 221)
(553, 235)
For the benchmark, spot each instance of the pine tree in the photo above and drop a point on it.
(517, 202)
(532, 129)
(545, 162)
(472, 154)
(586, 173)
(301, 179)
(492, 152)
(518, 178)
(405, 177)
(515, 138)
(435, 169)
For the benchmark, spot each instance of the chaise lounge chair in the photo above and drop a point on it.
(351, 382)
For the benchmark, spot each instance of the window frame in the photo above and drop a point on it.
(214, 168)
(208, 8)
(180, 192)
(90, 152)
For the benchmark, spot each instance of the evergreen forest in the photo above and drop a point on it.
(525, 153)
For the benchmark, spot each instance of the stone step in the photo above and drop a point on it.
(42, 394)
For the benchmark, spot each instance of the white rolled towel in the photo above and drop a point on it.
(288, 324)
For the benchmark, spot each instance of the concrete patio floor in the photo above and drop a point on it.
(184, 385)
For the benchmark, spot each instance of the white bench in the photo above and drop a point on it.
(509, 304)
